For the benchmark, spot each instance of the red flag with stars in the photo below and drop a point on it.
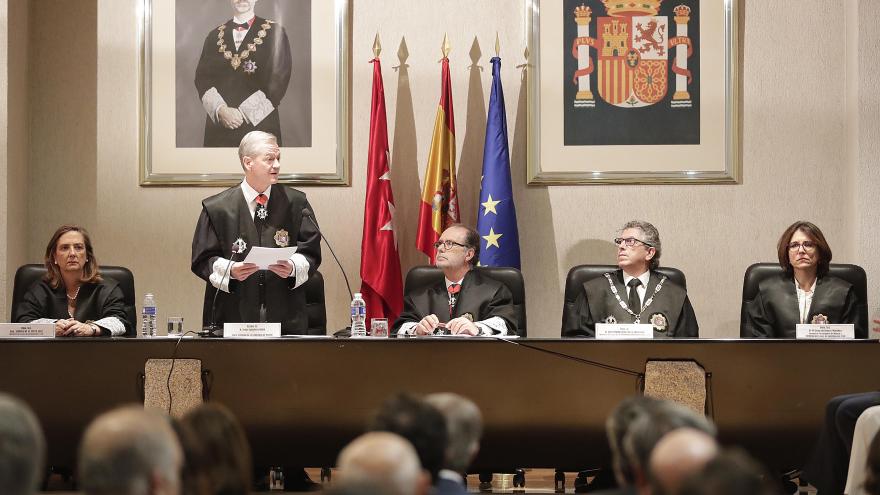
(381, 283)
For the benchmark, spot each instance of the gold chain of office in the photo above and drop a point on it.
(236, 59)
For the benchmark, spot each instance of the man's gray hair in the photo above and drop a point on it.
(650, 235)
(22, 448)
(464, 425)
(384, 460)
(253, 143)
(647, 430)
(618, 425)
(122, 450)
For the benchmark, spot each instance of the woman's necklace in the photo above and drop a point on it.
(75, 293)
(71, 301)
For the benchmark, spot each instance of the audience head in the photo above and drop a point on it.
(801, 232)
(616, 427)
(70, 250)
(22, 447)
(731, 472)
(644, 253)
(679, 454)
(872, 480)
(420, 423)
(382, 462)
(193, 476)
(225, 455)
(130, 451)
(647, 430)
(464, 427)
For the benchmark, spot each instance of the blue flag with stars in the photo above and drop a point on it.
(496, 222)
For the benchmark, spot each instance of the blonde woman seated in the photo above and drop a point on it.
(73, 295)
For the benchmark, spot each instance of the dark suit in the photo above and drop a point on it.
(226, 217)
(596, 303)
(447, 486)
(271, 75)
(774, 312)
(480, 297)
(93, 302)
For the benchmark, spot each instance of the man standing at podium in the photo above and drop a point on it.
(635, 293)
(466, 303)
(257, 212)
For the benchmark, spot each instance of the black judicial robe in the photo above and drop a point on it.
(774, 312)
(93, 302)
(225, 217)
(481, 297)
(272, 75)
(596, 303)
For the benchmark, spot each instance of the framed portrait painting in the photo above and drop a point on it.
(634, 92)
(214, 70)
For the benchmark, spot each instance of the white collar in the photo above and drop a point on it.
(798, 289)
(250, 194)
(242, 20)
(450, 282)
(643, 278)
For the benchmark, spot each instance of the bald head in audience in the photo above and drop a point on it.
(464, 427)
(383, 460)
(130, 451)
(22, 448)
(679, 454)
(732, 472)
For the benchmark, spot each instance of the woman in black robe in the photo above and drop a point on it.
(73, 295)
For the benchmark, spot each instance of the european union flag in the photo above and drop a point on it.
(496, 220)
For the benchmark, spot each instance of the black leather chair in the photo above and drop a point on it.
(315, 306)
(422, 276)
(581, 274)
(28, 275)
(853, 274)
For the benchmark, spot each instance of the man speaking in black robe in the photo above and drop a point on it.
(257, 212)
(467, 303)
(242, 76)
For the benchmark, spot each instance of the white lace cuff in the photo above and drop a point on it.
(408, 328)
(220, 276)
(300, 269)
(212, 101)
(493, 326)
(256, 107)
(111, 323)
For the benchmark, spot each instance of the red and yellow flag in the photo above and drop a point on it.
(439, 205)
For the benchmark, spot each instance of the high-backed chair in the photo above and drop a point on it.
(423, 276)
(853, 274)
(581, 274)
(28, 275)
(315, 306)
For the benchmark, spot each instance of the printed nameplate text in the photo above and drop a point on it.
(251, 330)
(826, 331)
(620, 331)
(27, 330)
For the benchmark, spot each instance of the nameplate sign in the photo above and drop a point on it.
(27, 330)
(839, 331)
(621, 331)
(251, 330)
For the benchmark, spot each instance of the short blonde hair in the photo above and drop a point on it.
(253, 143)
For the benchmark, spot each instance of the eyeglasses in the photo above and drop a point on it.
(447, 244)
(629, 241)
(809, 246)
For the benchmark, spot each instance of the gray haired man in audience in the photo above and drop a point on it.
(130, 451)
(22, 448)
(464, 427)
(680, 454)
(385, 462)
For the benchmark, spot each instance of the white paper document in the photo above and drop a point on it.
(265, 256)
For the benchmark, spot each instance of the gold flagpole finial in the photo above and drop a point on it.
(497, 45)
(445, 48)
(377, 46)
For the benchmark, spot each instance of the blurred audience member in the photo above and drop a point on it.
(679, 454)
(732, 472)
(464, 427)
(22, 448)
(616, 427)
(381, 462)
(130, 451)
(193, 478)
(224, 453)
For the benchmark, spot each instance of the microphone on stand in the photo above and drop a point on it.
(213, 330)
(345, 332)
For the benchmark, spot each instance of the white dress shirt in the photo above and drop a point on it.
(640, 290)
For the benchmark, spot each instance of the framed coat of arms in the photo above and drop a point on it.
(634, 91)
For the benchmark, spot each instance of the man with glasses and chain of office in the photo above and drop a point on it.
(635, 293)
(466, 303)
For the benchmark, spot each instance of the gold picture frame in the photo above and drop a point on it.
(565, 107)
(172, 33)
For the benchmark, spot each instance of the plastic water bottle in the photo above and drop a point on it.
(358, 316)
(148, 316)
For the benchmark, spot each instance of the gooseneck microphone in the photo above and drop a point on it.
(213, 330)
(308, 214)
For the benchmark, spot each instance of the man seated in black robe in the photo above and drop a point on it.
(635, 293)
(466, 303)
(257, 212)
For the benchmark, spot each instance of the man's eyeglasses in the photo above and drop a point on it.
(629, 241)
(447, 244)
(809, 246)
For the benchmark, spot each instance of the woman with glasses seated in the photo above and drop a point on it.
(73, 295)
(804, 292)
(635, 293)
